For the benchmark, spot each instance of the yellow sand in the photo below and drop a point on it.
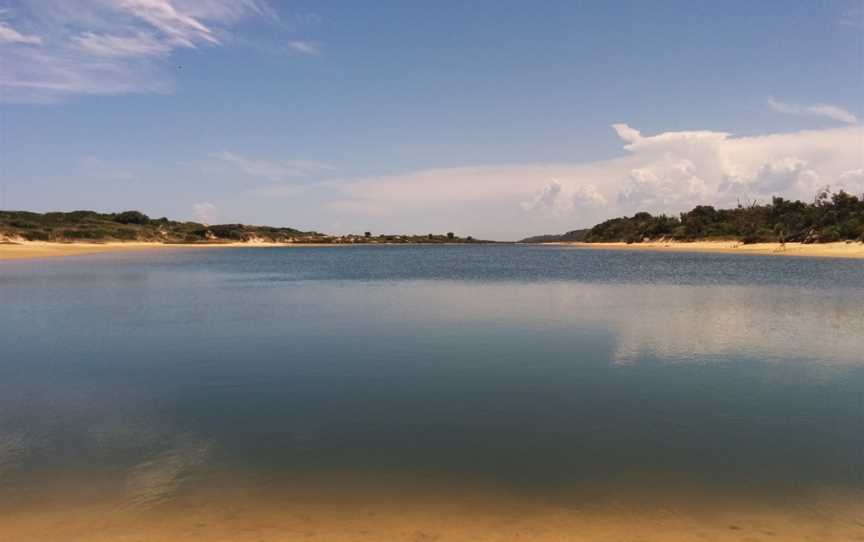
(36, 249)
(286, 513)
(829, 250)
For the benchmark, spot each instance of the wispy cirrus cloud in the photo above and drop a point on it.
(304, 47)
(273, 171)
(278, 191)
(10, 35)
(819, 109)
(106, 47)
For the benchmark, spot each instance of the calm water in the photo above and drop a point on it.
(531, 371)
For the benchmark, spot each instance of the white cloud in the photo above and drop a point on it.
(554, 200)
(181, 29)
(852, 181)
(668, 172)
(784, 175)
(107, 46)
(546, 198)
(304, 47)
(205, 212)
(670, 182)
(586, 196)
(272, 171)
(278, 191)
(227, 10)
(819, 109)
(10, 35)
(627, 133)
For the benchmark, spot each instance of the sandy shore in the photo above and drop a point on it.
(825, 250)
(34, 249)
(26, 250)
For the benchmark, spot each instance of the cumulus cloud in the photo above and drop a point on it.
(554, 199)
(819, 109)
(205, 212)
(586, 196)
(625, 132)
(107, 46)
(852, 181)
(672, 181)
(785, 175)
(662, 173)
(547, 198)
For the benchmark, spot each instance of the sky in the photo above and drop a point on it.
(497, 119)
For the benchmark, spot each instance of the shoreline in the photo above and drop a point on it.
(842, 249)
(31, 250)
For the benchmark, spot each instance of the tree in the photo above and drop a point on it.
(450, 235)
(367, 234)
(132, 217)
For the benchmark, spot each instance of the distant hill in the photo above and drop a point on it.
(571, 236)
(132, 226)
(831, 217)
(84, 226)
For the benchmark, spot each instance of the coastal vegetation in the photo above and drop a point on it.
(830, 217)
(90, 226)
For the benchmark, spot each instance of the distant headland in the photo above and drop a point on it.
(25, 235)
(136, 227)
(830, 218)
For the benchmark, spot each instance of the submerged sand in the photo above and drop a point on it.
(289, 511)
(822, 250)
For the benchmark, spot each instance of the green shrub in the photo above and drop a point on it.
(132, 217)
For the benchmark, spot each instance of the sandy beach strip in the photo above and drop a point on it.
(39, 249)
(36, 249)
(822, 250)
(27, 250)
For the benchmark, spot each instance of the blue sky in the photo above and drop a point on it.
(493, 119)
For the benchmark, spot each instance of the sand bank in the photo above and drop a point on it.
(35, 249)
(824, 250)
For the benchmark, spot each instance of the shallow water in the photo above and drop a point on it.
(421, 393)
